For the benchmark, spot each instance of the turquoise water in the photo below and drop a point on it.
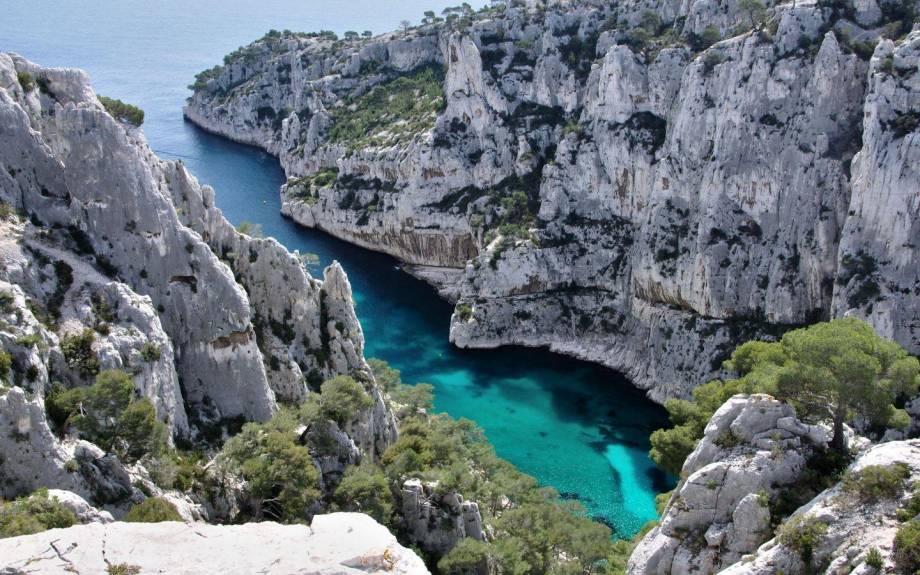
(577, 427)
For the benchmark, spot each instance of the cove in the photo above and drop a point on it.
(577, 427)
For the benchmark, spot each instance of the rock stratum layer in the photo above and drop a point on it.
(641, 184)
(334, 544)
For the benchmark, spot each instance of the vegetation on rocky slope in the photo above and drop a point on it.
(392, 113)
(32, 514)
(837, 371)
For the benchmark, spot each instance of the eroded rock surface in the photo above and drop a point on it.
(753, 447)
(645, 204)
(334, 544)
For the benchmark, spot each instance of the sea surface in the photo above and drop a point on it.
(574, 426)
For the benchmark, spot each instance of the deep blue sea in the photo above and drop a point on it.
(577, 427)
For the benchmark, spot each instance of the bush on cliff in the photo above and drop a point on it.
(153, 510)
(832, 371)
(365, 489)
(107, 414)
(33, 514)
(279, 472)
(123, 112)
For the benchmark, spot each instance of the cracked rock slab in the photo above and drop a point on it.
(335, 544)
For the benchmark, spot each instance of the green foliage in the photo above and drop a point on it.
(152, 510)
(78, 352)
(912, 508)
(365, 489)
(123, 112)
(307, 187)
(6, 362)
(415, 397)
(341, 399)
(391, 113)
(876, 482)
(279, 472)
(907, 547)
(464, 311)
(874, 559)
(754, 9)
(387, 377)
(107, 414)
(841, 368)
(25, 81)
(150, 352)
(834, 370)
(802, 535)
(33, 514)
(468, 557)
(250, 229)
(122, 569)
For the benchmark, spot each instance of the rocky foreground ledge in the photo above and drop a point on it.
(338, 543)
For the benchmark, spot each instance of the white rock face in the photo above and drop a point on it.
(436, 522)
(678, 202)
(753, 447)
(130, 251)
(335, 544)
(85, 512)
(852, 527)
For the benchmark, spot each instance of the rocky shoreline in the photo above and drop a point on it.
(636, 186)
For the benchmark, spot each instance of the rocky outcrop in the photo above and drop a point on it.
(437, 521)
(642, 185)
(753, 448)
(850, 528)
(339, 544)
(111, 258)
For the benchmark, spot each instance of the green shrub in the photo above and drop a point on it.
(122, 569)
(365, 489)
(866, 375)
(25, 81)
(467, 557)
(6, 362)
(78, 352)
(387, 377)
(123, 112)
(391, 113)
(875, 482)
(6, 301)
(153, 510)
(107, 414)
(279, 472)
(33, 514)
(342, 399)
(907, 547)
(150, 352)
(464, 311)
(250, 229)
(415, 397)
(802, 535)
(874, 559)
(911, 509)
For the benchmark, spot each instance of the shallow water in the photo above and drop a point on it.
(577, 427)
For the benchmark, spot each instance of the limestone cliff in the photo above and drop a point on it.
(731, 511)
(111, 258)
(641, 184)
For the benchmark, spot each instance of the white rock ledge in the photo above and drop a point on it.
(338, 543)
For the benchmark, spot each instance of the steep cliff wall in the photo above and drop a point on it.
(640, 184)
(111, 258)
